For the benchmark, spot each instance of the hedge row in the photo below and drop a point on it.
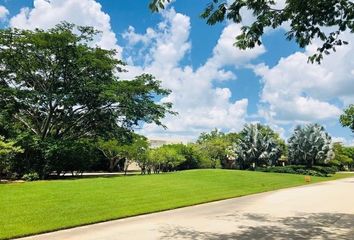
(320, 171)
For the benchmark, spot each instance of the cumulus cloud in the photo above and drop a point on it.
(201, 105)
(4, 12)
(46, 14)
(295, 90)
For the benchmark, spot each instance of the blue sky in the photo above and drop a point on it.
(214, 84)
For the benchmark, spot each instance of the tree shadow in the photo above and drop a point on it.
(327, 226)
(94, 175)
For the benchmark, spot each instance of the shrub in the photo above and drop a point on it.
(33, 176)
(320, 171)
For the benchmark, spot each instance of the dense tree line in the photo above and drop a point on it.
(63, 108)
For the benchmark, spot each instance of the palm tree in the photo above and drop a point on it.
(257, 147)
(309, 145)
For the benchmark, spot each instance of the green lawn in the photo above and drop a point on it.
(29, 208)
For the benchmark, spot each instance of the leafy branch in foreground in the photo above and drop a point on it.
(325, 20)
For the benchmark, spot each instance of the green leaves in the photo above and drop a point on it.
(7, 151)
(58, 86)
(308, 20)
(157, 5)
(57, 89)
(309, 145)
(347, 118)
(258, 144)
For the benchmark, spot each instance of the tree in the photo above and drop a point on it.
(112, 149)
(134, 149)
(56, 86)
(166, 158)
(7, 151)
(216, 145)
(195, 157)
(324, 20)
(258, 145)
(309, 145)
(63, 156)
(341, 157)
(347, 118)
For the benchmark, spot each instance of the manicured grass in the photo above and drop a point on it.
(29, 208)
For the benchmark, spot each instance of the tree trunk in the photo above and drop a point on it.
(112, 164)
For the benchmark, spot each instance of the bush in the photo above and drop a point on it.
(319, 171)
(33, 176)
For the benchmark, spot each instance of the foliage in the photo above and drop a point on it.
(56, 89)
(308, 20)
(55, 85)
(216, 145)
(347, 118)
(7, 152)
(303, 170)
(309, 145)
(258, 145)
(195, 157)
(134, 149)
(112, 150)
(341, 159)
(29, 177)
(166, 158)
(64, 156)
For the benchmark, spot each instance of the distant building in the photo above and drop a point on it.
(155, 143)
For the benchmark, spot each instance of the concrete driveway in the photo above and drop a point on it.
(319, 211)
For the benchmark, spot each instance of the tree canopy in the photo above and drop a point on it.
(309, 145)
(57, 89)
(347, 118)
(55, 85)
(342, 157)
(217, 146)
(258, 145)
(325, 20)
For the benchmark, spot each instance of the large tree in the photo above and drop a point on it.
(309, 145)
(308, 20)
(56, 85)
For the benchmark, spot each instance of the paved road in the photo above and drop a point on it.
(319, 211)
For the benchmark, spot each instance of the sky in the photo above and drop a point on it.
(214, 84)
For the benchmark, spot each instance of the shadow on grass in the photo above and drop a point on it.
(93, 175)
(328, 226)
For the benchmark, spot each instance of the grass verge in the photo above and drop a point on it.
(37, 207)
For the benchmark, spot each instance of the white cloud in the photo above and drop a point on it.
(225, 53)
(295, 90)
(201, 105)
(46, 14)
(4, 12)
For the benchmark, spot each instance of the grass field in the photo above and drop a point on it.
(29, 208)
